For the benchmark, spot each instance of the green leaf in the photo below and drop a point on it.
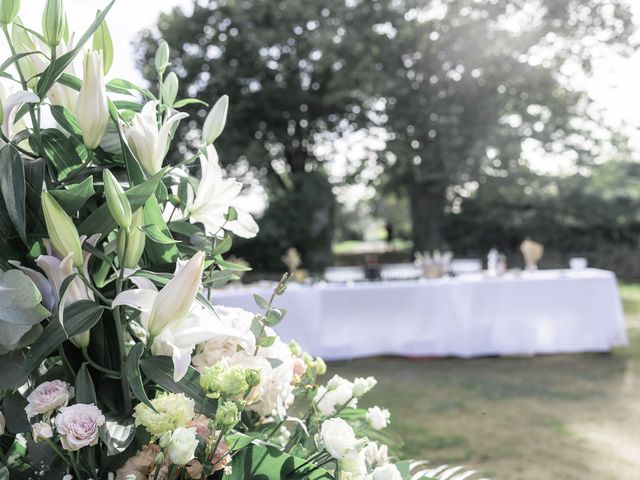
(101, 221)
(10, 365)
(260, 461)
(85, 391)
(237, 441)
(20, 310)
(260, 301)
(14, 58)
(127, 105)
(57, 68)
(70, 81)
(117, 432)
(266, 341)
(14, 414)
(12, 185)
(223, 247)
(66, 119)
(72, 198)
(119, 85)
(236, 267)
(189, 101)
(231, 215)
(66, 153)
(157, 253)
(160, 370)
(79, 317)
(219, 278)
(132, 367)
(155, 234)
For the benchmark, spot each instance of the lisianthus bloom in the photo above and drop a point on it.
(376, 455)
(363, 385)
(47, 397)
(213, 197)
(78, 425)
(338, 438)
(378, 418)
(41, 431)
(173, 317)
(338, 393)
(172, 410)
(386, 472)
(183, 445)
(149, 143)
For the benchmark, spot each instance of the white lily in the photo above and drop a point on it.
(91, 107)
(10, 106)
(172, 316)
(214, 196)
(148, 142)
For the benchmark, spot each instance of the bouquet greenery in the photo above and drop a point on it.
(114, 360)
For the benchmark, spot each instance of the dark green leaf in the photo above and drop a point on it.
(189, 101)
(85, 390)
(10, 365)
(66, 153)
(78, 318)
(14, 414)
(133, 374)
(158, 253)
(154, 234)
(74, 196)
(260, 301)
(12, 185)
(66, 119)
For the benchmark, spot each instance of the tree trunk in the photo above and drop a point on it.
(427, 201)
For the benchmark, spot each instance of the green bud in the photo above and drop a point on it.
(170, 89)
(102, 41)
(294, 348)
(165, 440)
(159, 460)
(211, 379)
(162, 57)
(9, 10)
(307, 359)
(117, 201)
(227, 414)
(320, 366)
(53, 22)
(253, 376)
(134, 239)
(62, 232)
(234, 382)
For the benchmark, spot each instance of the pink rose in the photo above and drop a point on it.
(78, 425)
(48, 396)
(299, 367)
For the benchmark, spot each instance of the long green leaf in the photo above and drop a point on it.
(12, 185)
(133, 374)
(72, 198)
(79, 317)
(85, 390)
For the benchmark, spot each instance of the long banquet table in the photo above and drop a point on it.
(548, 311)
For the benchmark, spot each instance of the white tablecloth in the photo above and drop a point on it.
(550, 311)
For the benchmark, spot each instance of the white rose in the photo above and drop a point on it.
(378, 418)
(41, 431)
(48, 396)
(78, 425)
(338, 438)
(386, 472)
(328, 400)
(363, 385)
(183, 445)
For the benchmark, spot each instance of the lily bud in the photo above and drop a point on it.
(9, 10)
(117, 201)
(134, 240)
(176, 297)
(92, 109)
(102, 42)
(170, 89)
(53, 22)
(162, 57)
(62, 232)
(82, 339)
(214, 123)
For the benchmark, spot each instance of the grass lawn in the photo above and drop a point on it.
(560, 417)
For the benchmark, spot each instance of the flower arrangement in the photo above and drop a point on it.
(116, 363)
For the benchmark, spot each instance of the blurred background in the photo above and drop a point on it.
(368, 130)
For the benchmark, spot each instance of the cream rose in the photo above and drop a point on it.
(338, 438)
(378, 418)
(183, 445)
(48, 396)
(363, 385)
(78, 425)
